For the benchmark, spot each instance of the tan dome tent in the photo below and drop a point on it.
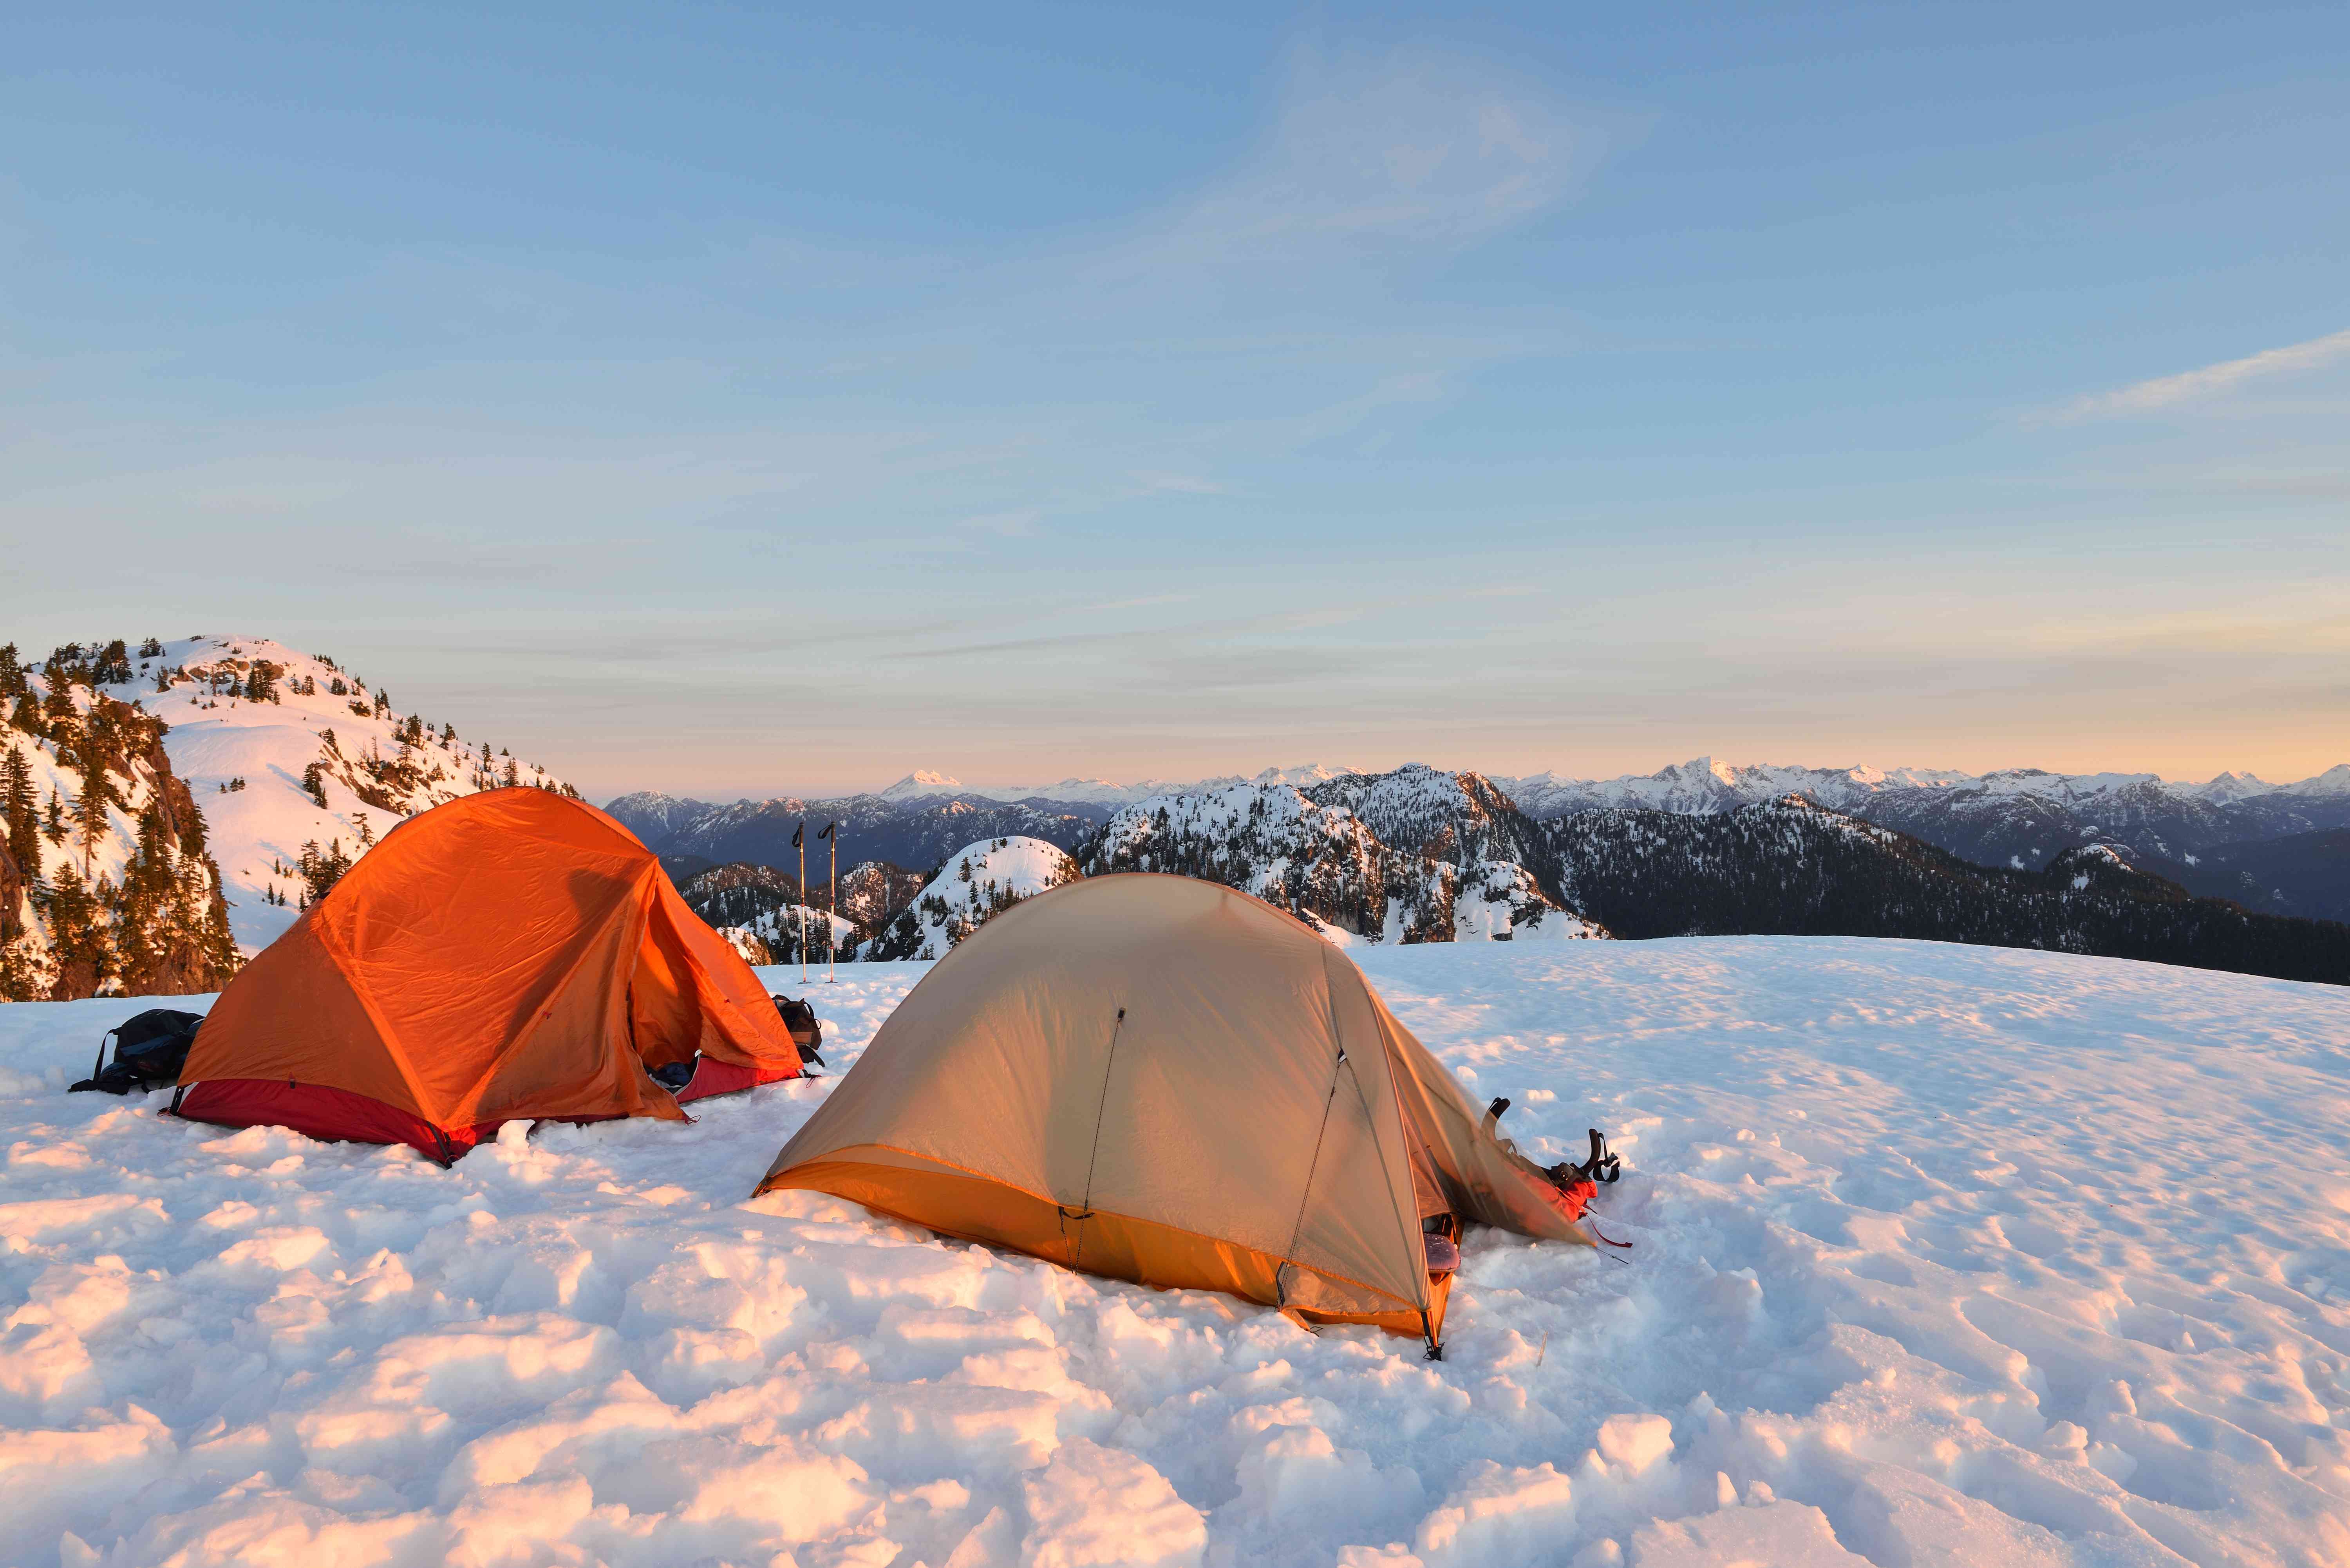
(1167, 1080)
(510, 955)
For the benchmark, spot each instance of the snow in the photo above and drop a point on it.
(217, 738)
(1497, 900)
(1708, 786)
(786, 923)
(113, 852)
(1942, 1255)
(924, 783)
(2335, 780)
(1702, 784)
(977, 882)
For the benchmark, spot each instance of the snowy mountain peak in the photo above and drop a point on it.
(971, 888)
(1702, 768)
(1305, 776)
(1707, 785)
(290, 754)
(2335, 780)
(922, 782)
(1413, 855)
(2228, 787)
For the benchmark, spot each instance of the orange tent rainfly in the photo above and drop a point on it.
(507, 956)
(1167, 1080)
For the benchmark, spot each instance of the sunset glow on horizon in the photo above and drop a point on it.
(734, 403)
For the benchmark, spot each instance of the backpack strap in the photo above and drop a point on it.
(99, 1065)
(1604, 1166)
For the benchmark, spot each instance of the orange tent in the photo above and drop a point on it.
(510, 955)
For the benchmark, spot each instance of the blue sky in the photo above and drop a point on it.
(735, 399)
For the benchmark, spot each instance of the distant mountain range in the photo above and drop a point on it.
(1791, 868)
(1417, 855)
(2275, 849)
(923, 784)
(916, 831)
(174, 806)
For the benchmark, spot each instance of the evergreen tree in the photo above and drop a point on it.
(98, 793)
(78, 933)
(21, 809)
(58, 708)
(151, 649)
(53, 828)
(321, 869)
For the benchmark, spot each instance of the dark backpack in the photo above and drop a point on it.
(148, 1052)
(807, 1034)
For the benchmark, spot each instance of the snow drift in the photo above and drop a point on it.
(1935, 1263)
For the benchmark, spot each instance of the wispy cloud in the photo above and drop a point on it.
(2211, 380)
(1417, 149)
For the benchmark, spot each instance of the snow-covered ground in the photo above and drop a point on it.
(1943, 1255)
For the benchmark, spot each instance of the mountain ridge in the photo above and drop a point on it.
(2207, 835)
(1674, 786)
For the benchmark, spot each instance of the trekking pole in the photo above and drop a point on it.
(832, 903)
(797, 834)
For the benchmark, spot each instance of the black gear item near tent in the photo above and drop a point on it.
(807, 1032)
(148, 1052)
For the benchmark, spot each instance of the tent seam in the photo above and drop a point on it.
(332, 942)
(1414, 1249)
